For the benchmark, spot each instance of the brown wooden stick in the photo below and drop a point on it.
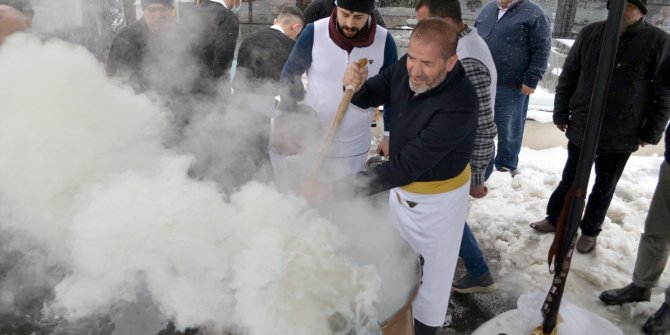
(334, 126)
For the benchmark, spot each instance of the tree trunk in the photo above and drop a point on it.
(565, 18)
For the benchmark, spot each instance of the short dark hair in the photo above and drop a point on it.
(442, 9)
(289, 10)
(437, 30)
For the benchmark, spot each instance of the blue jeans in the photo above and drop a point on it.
(471, 255)
(510, 111)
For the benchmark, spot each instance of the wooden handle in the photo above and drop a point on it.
(334, 126)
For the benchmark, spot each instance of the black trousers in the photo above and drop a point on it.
(609, 167)
(422, 329)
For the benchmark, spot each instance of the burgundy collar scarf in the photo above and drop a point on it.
(363, 39)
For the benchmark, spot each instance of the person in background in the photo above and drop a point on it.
(319, 9)
(518, 34)
(260, 60)
(11, 21)
(323, 51)
(636, 113)
(261, 56)
(428, 173)
(216, 24)
(654, 247)
(23, 6)
(476, 59)
(131, 51)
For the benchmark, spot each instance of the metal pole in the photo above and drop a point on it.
(251, 11)
(607, 58)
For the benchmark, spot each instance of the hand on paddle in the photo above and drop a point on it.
(355, 76)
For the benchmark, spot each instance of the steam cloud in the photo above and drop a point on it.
(94, 209)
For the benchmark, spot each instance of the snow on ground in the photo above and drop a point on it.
(500, 222)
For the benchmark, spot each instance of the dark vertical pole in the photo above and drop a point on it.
(606, 60)
(251, 11)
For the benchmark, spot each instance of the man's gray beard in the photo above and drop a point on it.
(418, 91)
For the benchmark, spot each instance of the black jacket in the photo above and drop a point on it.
(637, 107)
(128, 51)
(319, 9)
(261, 58)
(432, 133)
(216, 30)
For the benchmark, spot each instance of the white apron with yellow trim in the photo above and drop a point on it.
(430, 216)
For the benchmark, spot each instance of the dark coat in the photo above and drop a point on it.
(150, 61)
(430, 140)
(319, 9)
(261, 58)
(637, 107)
(128, 52)
(216, 29)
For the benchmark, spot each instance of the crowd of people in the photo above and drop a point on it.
(444, 102)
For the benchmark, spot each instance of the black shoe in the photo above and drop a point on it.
(630, 293)
(659, 323)
(513, 173)
(467, 284)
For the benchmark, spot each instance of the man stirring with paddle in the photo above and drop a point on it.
(433, 128)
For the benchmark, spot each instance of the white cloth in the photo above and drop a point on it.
(221, 2)
(324, 88)
(433, 228)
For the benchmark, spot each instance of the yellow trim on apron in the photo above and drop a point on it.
(440, 186)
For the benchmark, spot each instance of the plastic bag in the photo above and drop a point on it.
(575, 320)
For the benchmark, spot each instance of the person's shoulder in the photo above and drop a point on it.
(490, 5)
(591, 30)
(654, 31)
(134, 30)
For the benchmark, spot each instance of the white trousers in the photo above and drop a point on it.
(432, 224)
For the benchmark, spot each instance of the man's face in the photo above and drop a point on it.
(426, 64)
(631, 15)
(157, 17)
(351, 22)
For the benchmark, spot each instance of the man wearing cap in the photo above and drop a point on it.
(319, 9)
(323, 50)
(11, 21)
(130, 51)
(636, 113)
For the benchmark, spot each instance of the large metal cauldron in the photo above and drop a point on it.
(402, 322)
